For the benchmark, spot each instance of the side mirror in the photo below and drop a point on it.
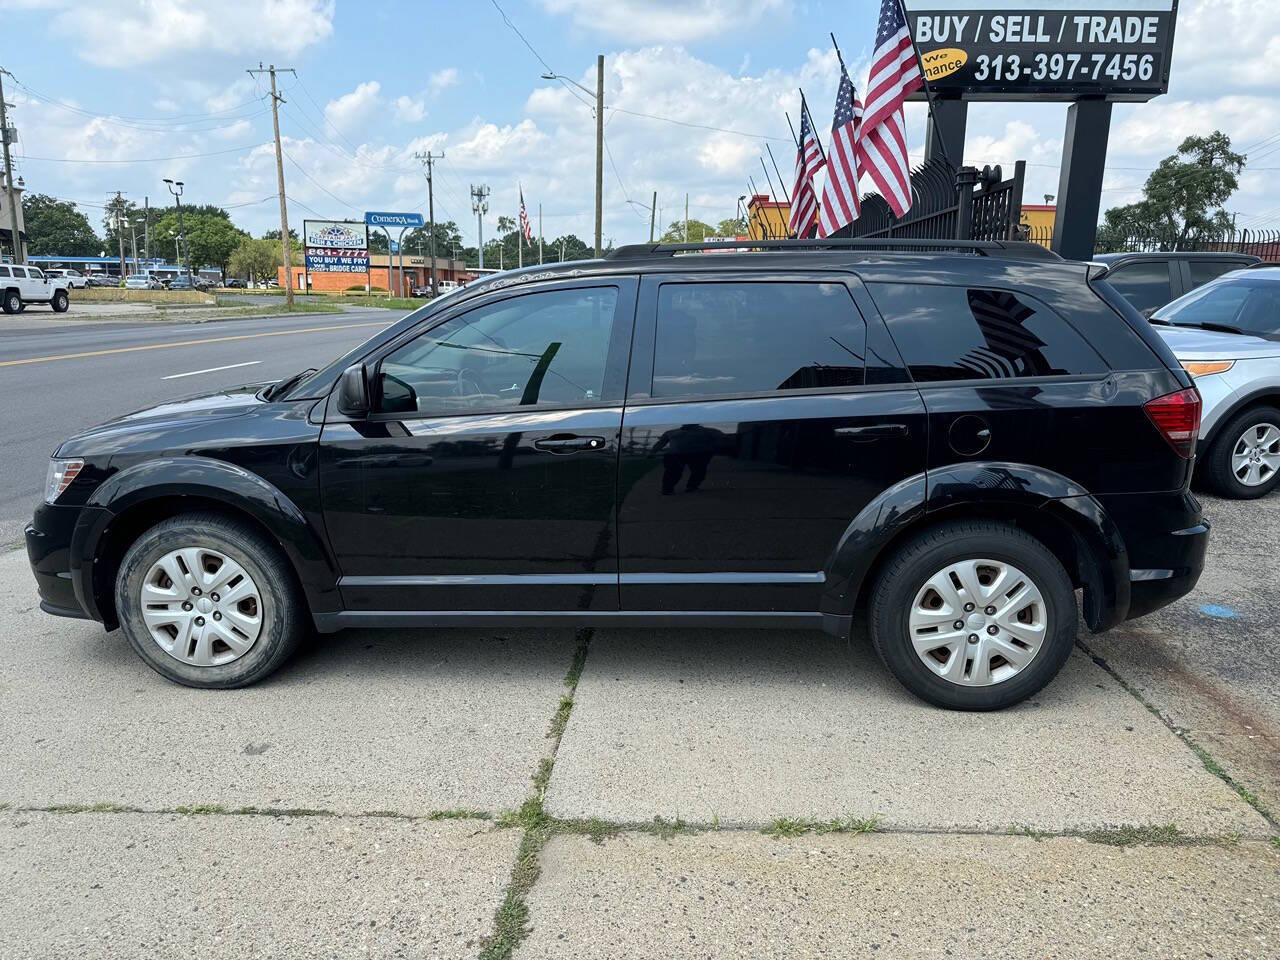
(353, 392)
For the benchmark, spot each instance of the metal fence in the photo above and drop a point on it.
(1260, 243)
(946, 204)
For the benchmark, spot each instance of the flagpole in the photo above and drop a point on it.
(804, 105)
(539, 234)
(786, 196)
(924, 82)
(793, 129)
(520, 229)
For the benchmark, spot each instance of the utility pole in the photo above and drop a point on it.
(686, 218)
(427, 160)
(119, 209)
(599, 152)
(146, 230)
(540, 234)
(8, 172)
(184, 260)
(480, 206)
(653, 213)
(276, 100)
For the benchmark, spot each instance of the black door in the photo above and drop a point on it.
(485, 479)
(752, 437)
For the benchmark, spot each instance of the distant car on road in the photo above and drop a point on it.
(1227, 335)
(235, 283)
(1150, 280)
(73, 278)
(142, 281)
(21, 286)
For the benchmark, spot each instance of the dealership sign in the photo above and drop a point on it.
(386, 220)
(335, 246)
(1044, 49)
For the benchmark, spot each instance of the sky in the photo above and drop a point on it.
(118, 94)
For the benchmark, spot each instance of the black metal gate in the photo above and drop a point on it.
(948, 204)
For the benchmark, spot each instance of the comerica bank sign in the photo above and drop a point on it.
(384, 220)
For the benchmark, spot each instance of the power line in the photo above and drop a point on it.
(321, 187)
(700, 126)
(182, 156)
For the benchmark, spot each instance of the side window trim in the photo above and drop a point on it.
(615, 362)
(644, 350)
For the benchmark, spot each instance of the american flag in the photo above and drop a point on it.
(840, 203)
(526, 228)
(895, 72)
(809, 160)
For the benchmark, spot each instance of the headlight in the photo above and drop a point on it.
(61, 473)
(1205, 368)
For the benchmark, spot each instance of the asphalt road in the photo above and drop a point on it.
(58, 377)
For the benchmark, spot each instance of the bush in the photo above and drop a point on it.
(359, 288)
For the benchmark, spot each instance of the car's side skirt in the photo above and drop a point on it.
(329, 622)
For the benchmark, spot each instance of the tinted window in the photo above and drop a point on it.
(540, 348)
(20, 272)
(4, 272)
(730, 338)
(1202, 271)
(1145, 284)
(959, 333)
(1244, 304)
(35, 274)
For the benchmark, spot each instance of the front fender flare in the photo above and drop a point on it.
(207, 479)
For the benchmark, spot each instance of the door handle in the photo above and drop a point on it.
(568, 443)
(877, 431)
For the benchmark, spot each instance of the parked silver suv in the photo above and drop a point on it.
(1227, 335)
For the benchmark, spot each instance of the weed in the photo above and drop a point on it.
(460, 814)
(799, 826)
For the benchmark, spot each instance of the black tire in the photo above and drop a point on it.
(60, 302)
(285, 620)
(12, 302)
(1217, 472)
(905, 574)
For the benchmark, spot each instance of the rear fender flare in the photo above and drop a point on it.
(207, 479)
(951, 490)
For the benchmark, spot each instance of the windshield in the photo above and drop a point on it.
(1241, 303)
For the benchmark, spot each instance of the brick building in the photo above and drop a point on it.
(417, 273)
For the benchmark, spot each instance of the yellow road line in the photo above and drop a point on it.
(185, 343)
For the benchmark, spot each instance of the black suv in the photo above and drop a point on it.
(950, 440)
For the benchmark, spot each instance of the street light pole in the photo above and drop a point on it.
(175, 188)
(598, 96)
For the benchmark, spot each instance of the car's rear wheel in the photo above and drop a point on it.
(60, 302)
(973, 615)
(207, 601)
(12, 302)
(1244, 461)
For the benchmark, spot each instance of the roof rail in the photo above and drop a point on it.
(1014, 249)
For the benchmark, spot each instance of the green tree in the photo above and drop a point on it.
(255, 260)
(1182, 197)
(210, 236)
(56, 227)
(698, 231)
(121, 208)
(737, 227)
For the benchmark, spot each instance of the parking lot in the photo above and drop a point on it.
(648, 793)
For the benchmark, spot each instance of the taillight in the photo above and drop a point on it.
(1177, 417)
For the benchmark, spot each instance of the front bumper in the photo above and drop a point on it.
(49, 552)
(1166, 537)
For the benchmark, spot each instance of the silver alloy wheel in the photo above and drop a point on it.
(978, 622)
(1256, 455)
(201, 607)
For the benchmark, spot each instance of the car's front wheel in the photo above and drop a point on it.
(60, 302)
(1244, 461)
(973, 615)
(207, 601)
(12, 302)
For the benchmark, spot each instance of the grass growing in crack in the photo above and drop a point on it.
(561, 719)
(571, 678)
(1153, 836)
(666, 829)
(1032, 832)
(460, 814)
(799, 826)
(218, 810)
(87, 808)
(1275, 842)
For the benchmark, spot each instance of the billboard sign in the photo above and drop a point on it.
(335, 246)
(1044, 49)
(385, 220)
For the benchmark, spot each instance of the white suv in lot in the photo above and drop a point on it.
(1227, 335)
(73, 278)
(21, 286)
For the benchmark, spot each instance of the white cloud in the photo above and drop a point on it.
(409, 110)
(443, 79)
(671, 21)
(133, 32)
(351, 110)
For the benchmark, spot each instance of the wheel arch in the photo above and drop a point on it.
(1052, 508)
(1261, 397)
(135, 499)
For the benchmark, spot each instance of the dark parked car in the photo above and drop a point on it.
(236, 283)
(1150, 280)
(181, 283)
(951, 441)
